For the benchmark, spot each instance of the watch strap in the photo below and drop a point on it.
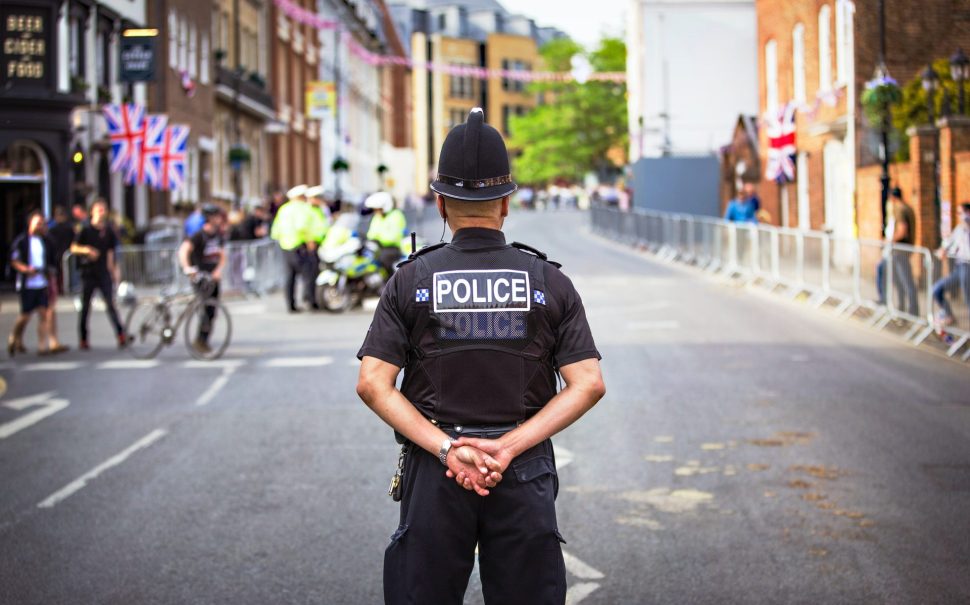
(443, 451)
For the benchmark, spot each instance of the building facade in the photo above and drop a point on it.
(818, 56)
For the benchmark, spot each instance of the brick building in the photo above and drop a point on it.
(819, 55)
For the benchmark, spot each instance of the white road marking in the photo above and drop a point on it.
(48, 404)
(22, 403)
(662, 324)
(52, 366)
(579, 569)
(80, 482)
(577, 592)
(299, 362)
(198, 364)
(249, 310)
(129, 364)
(564, 457)
(216, 386)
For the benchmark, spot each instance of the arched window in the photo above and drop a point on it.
(843, 35)
(824, 48)
(771, 75)
(798, 63)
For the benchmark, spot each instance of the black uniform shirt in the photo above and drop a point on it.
(388, 338)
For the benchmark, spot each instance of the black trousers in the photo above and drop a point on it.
(432, 553)
(208, 312)
(299, 262)
(103, 284)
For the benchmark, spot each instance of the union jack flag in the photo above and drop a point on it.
(781, 145)
(126, 129)
(170, 162)
(143, 168)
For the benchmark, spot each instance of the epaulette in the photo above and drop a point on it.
(530, 250)
(421, 251)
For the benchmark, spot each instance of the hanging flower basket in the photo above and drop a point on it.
(381, 169)
(340, 165)
(239, 155)
(879, 96)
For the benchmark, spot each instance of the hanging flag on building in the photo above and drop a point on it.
(142, 169)
(126, 130)
(321, 100)
(170, 162)
(781, 144)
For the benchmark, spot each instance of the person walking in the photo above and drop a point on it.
(478, 403)
(956, 249)
(900, 229)
(203, 257)
(32, 258)
(95, 245)
(387, 227)
(60, 234)
(291, 229)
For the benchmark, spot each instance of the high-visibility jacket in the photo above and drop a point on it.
(388, 229)
(291, 227)
(319, 224)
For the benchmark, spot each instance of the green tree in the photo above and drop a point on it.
(574, 130)
(912, 111)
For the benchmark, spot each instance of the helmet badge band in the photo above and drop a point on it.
(476, 183)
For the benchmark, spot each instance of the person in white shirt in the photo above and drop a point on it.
(957, 248)
(30, 257)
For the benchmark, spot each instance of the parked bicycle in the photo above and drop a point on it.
(154, 323)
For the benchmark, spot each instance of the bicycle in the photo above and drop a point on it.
(150, 325)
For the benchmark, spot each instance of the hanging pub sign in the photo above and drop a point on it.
(137, 55)
(26, 47)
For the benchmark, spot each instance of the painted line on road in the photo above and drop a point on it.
(577, 592)
(299, 362)
(216, 386)
(564, 457)
(128, 364)
(56, 366)
(49, 406)
(579, 569)
(72, 487)
(198, 364)
(663, 324)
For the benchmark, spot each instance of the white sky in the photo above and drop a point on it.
(584, 20)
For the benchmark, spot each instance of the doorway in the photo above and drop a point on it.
(839, 211)
(24, 187)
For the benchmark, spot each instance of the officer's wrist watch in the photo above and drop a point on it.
(443, 452)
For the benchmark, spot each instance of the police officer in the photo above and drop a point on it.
(387, 228)
(292, 228)
(481, 328)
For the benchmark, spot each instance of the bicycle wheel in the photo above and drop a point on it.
(208, 329)
(147, 324)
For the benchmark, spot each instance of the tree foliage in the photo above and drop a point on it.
(912, 110)
(574, 130)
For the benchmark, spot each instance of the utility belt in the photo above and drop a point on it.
(454, 431)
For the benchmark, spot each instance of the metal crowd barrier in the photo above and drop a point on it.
(885, 284)
(252, 268)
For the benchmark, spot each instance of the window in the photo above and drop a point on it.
(843, 20)
(193, 52)
(798, 63)
(205, 56)
(507, 112)
(771, 75)
(513, 85)
(456, 117)
(801, 174)
(442, 22)
(173, 43)
(461, 87)
(183, 45)
(824, 48)
(76, 49)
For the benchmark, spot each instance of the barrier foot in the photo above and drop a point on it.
(844, 306)
(913, 331)
(957, 346)
(922, 336)
(877, 314)
(883, 321)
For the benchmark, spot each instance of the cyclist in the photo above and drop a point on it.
(204, 253)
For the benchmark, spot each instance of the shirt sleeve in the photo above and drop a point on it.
(574, 339)
(388, 338)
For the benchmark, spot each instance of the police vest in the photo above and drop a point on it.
(481, 339)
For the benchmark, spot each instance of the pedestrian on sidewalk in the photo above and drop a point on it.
(32, 258)
(203, 257)
(464, 404)
(95, 245)
(956, 249)
(900, 230)
(743, 208)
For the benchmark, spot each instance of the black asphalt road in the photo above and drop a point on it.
(748, 451)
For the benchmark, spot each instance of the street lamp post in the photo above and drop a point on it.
(931, 82)
(960, 70)
(882, 72)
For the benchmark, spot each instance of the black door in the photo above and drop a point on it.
(17, 200)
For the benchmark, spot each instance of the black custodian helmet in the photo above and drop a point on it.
(474, 163)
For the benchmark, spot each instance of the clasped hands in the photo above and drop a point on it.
(477, 464)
